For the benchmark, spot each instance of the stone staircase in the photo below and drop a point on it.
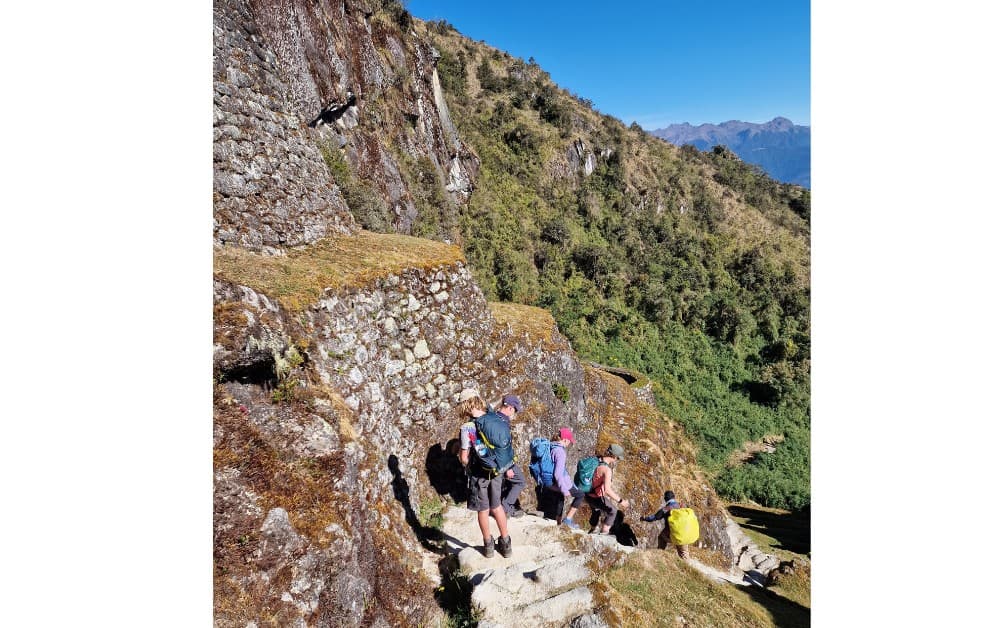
(755, 564)
(549, 579)
(546, 581)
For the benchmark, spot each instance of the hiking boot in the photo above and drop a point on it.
(517, 513)
(503, 546)
(488, 547)
(572, 525)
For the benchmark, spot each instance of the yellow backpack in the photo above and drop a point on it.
(683, 526)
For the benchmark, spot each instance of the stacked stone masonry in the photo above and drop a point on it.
(279, 64)
(272, 187)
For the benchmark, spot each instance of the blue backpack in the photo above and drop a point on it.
(542, 466)
(496, 453)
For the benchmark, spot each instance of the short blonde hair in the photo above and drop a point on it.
(465, 408)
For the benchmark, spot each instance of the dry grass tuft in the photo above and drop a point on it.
(299, 485)
(299, 278)
(536, 322)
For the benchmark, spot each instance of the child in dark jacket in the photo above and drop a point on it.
(664, 513)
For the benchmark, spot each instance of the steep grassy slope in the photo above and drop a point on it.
(655, 588)
(691, 267)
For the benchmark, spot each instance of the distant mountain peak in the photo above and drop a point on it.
(779, 123)
(780, 147)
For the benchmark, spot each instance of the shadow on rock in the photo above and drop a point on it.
(791, 530)
(551, 503)
(430, 538)
(445, 471)
(784, 612)
(454, 596)
(623, 532)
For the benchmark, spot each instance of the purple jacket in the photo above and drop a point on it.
(561, 475)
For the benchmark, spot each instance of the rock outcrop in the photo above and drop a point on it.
(323, 406)
(749, 558)
(334, 429)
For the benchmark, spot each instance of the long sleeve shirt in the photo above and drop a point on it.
(561, 475)
(663, 513)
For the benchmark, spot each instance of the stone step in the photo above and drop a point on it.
(526, 583)
(556, 611)
(545, 582)
(769, 564)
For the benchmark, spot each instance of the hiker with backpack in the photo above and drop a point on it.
(487, 436)
(513, 479)
(548, 467)
(680, 526)
(594, 476)
(561, 483)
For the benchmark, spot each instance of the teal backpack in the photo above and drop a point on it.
(584, 477)
(497, 453)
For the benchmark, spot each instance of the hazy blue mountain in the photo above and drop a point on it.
(779, 147)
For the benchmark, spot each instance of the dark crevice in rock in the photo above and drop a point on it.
(333, 111)
(627, 375)
(259, 372)
(445, 471)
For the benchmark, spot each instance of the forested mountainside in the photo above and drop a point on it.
(689, 266)
(779, 147)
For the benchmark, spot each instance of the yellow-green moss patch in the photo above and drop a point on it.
(299, 278)
(536, 322)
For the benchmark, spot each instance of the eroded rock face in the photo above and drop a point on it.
(658, 457)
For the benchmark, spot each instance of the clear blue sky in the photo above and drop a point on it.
(655, 63)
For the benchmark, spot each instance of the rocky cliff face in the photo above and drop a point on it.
(271, 186)
(298, 84)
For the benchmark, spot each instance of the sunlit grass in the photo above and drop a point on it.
(299, 278)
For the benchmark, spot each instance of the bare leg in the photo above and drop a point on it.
(501, 518)
(484, 523)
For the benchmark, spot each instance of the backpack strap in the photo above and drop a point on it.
(484, 439)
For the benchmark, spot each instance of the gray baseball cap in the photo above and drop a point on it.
(616, 451)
